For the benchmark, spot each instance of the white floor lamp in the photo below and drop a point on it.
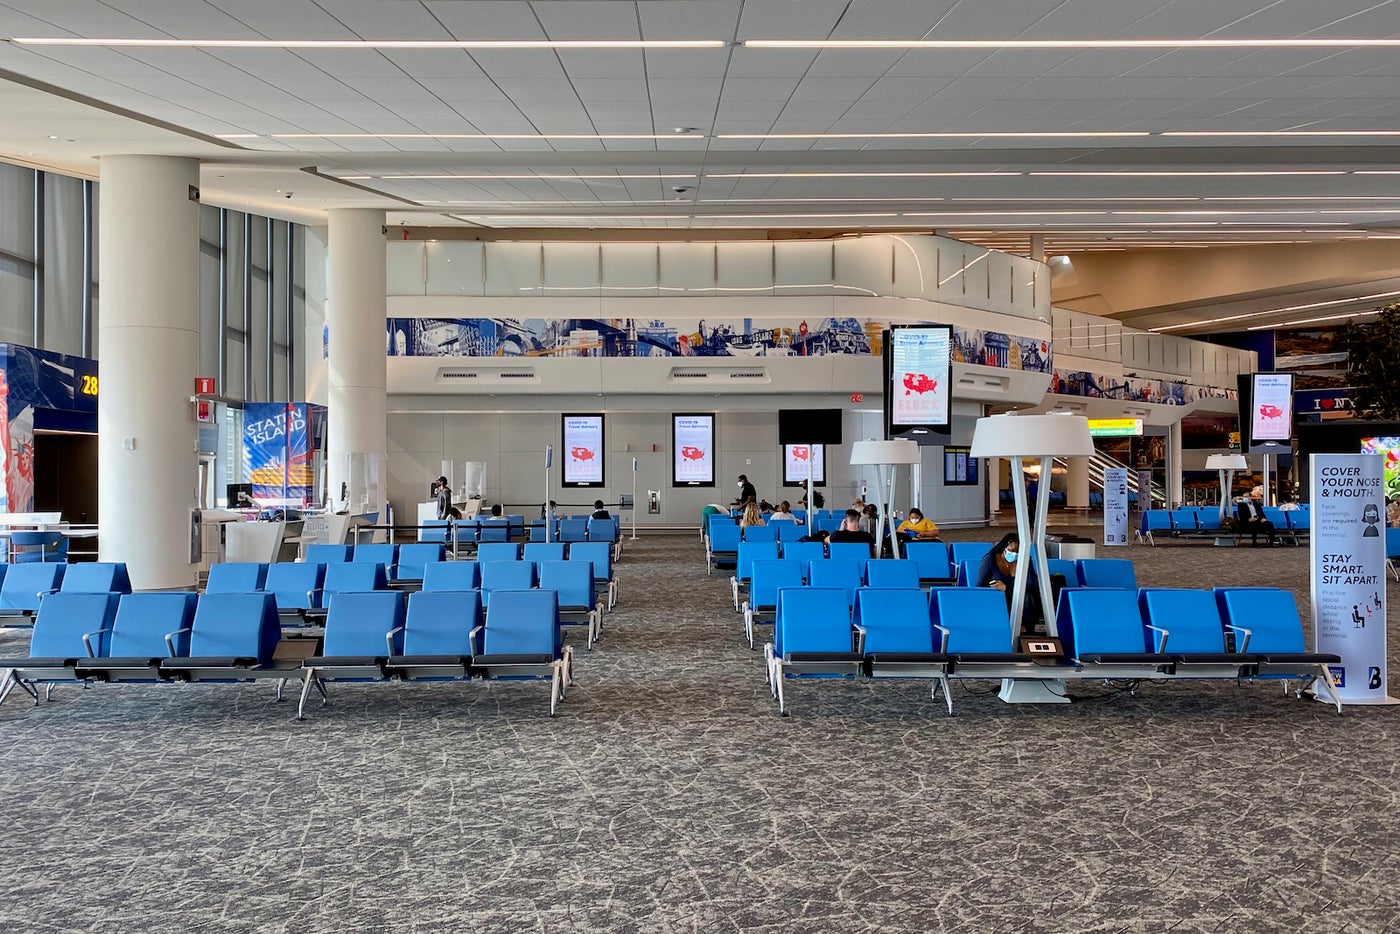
(885, 457)
(1043, 437)
(1227, 464)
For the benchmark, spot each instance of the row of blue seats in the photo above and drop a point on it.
(230, 637)
(1194, 520)
(22, 586)
(1154, 634)
(471, 531)
(768, 578)
(406, 562)
(305, 588)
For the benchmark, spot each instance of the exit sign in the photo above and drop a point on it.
(1115, 427)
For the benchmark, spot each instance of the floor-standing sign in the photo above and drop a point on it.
(1144, 482)
(1115, 506)
(1348, 571)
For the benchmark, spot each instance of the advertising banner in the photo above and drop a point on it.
(1115, 506)
(583, 450)
(279, 447)
(693, 450)
(1348, 571)
(1272, 415)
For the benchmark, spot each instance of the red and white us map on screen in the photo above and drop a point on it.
(694, 455)
(583, 449)
(920, 372)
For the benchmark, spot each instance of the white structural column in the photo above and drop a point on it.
(1175, 487)
(1077, 483)
(148, 345)
(993, 486)
(358, 365)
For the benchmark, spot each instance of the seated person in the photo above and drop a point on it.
(820, 535)
(998, 570)
(784, 511)
(751, 515)
(599, 511)
(1249, 512)
(496, 511)
(851, 531)
(917, 528)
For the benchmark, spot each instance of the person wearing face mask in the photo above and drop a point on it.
(443, 495)
(747, 493)
(998, 570)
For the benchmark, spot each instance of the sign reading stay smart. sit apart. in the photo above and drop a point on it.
(1348, 571)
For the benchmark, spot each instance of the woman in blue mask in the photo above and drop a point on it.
(998, 570)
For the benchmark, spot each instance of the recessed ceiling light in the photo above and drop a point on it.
(235, 136)
(549, 178)
(409, 44)
(859, 174)
(1065, 43)
(1164, 174)
(515, 136)
(1282, 133)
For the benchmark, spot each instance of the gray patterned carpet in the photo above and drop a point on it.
(668, 796)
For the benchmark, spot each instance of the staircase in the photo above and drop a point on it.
(1100, 462)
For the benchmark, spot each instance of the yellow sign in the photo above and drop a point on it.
(1114, 427)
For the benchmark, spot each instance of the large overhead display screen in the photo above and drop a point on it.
(1271, 418)
(583, 450)
(796, 457)
(920, 373)
(693, 450)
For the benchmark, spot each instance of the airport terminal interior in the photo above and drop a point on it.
(382, 383)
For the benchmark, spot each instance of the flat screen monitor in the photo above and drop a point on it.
(809, 426)
(918, 373)
(1271, 412)
(959, 466)
(583, 450)
(693, 449)
(796, 457)
(1389, 447)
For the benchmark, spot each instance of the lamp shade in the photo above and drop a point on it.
(1032, 436)
(870, 453)
(1226, 462)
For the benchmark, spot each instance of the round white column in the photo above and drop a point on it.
(148, 348)
(1077, 483)
(1175, 486)
(358, 365)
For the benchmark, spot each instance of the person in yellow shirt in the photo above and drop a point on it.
(917, 528)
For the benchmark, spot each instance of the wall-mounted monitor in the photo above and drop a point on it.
(583, 450)
(796, 457)
(1271, 409)
(809, 426)
(918, 379)
(693, 449)
(959, 466)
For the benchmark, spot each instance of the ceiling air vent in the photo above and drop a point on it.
(749, 373)
(684, 373)
(516, 374)
(447, 373)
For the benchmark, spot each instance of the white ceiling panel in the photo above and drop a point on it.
(618, 63)
(377, 19)
(687, 19)
(589, 19)
(772, 19)
(507, 19)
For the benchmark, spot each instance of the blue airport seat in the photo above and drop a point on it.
(897, 637)
(1186, 625)
(236, 577)
(1153, 520)
(523, 640)
(1063, 567)
(722, 546)
(958, 552)
(232, 638)
(505, 575)
(493, 530)
(768, 578)
(932, 559)
(437, 531)
(1107, 572)
(1183, 519)
(544, 551)
(1266, 625)
(148, 629)
(96, 577)
(27, 547)
(295, 587)
(352, 576)
(414, 557)
(599, 554)
(965, 573)
(26, 584)
(573, 529)
(760, 533)
(836, 574)
(892, 573)
(811, 638)
(572, 581)
(387, 555)
(363, 629)
(451, 576)
(1208, 518)
(1103, 627)
(788, 531)
(805, 552)
(328, 554)
(440, 629)
(605, 530)
(497, 551)
(468, 531)
(827, 523)
(851, 551)
(69, 628)
(743, 568)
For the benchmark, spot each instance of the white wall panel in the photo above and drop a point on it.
(455, 267)
(744, 268)
(865, 266)
(513, 269)
(687, 267)
(404, 268)
(572, 268)
(631, 269)
(802, 267)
